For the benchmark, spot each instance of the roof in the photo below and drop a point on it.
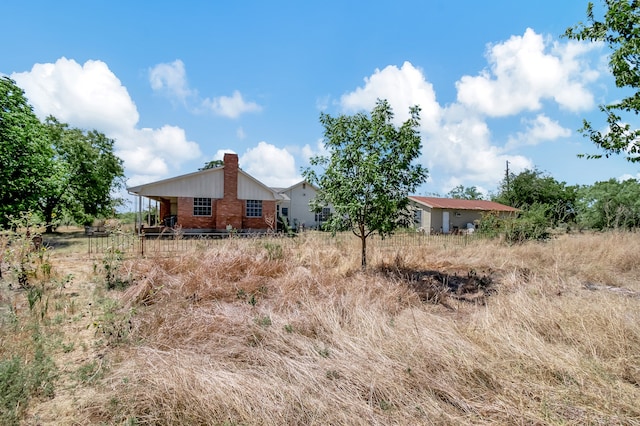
(458, 204)
(204, 183)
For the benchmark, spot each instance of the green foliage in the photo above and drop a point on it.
(274, 251)
(610, 205)
(84, 174)
(531, 224)
(25, 154)
(212, 164)
(21, 380)
(113, 258)
(619, 28)
(60, 172)
(23, 251)
(470, 193)
(368, 172)
(532, 188)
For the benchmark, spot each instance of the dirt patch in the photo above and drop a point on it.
(438, 286)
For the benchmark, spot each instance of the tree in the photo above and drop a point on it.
(368, 172)
(620, 30)
(533, 189)
(610, 205)
(460, 192)
(25, 155)
(84, 175)
(212, 164)
(52, 169)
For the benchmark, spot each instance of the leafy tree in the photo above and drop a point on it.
(532, 188)
(469, 193)
(84, 175)
(52, 169)
(620, 30)
(368, 172)
(25, 155)
(212, 164)
(610, 205)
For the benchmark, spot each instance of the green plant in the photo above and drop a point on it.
(24, 253)
(263, 321)
(114, 324)
(89, 372)
(21, 380)
(274, 251)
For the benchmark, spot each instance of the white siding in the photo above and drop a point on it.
(207, 184)
(251, 189)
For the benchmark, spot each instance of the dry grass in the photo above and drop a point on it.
(293, 333)
(233, 336)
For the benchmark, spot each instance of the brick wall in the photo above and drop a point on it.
(268, 209)
(227, 211)
(186, 219)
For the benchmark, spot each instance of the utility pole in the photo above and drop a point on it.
(507, 176)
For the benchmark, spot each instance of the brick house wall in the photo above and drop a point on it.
(226, 211)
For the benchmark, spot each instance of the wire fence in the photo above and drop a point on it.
(131, 244)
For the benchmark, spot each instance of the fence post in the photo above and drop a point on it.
(142, 243)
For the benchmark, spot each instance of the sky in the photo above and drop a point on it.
(177, 84)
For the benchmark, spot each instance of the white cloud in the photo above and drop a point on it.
(170, 78)
(219, 155)
(403, 87)
(456, 140)
(90, 96)
(240, 134)
(308, 151)
(462, 149)
(540, 129)
(86, 96)
(524, 71)
(271, 165)
(230, 106)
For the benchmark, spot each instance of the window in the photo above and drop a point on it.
(417, 217)
(323, 215)
(285, 211)
(202, 206)
(254, 208)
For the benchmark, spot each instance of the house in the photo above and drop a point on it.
(450, 215)
(295, 207)
(216, 199)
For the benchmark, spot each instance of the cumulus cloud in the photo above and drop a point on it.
(456, 139)
(86, 96)
(540, 129)
(259, 162)
(463, 149)
(90, 96)
(524, 71)
(170, 78)
(230, 106)
(403, 87)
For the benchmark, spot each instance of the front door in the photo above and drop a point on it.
(445, 222)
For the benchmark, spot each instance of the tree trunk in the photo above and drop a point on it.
(363, 238)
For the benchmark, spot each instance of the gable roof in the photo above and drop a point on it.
(205, 183)
(458, 204)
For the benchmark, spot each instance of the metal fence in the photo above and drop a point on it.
(150, 245)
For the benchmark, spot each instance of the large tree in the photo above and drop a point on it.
(84, 176)
(25, 154)
(468, 193)
(533, 189)
(50, 168)
(619, 28)
(610, 205)
(368, 171)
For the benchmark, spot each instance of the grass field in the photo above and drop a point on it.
(263, 332)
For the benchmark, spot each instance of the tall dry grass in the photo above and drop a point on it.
(248, 334)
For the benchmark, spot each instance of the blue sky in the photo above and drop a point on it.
(178, 83)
